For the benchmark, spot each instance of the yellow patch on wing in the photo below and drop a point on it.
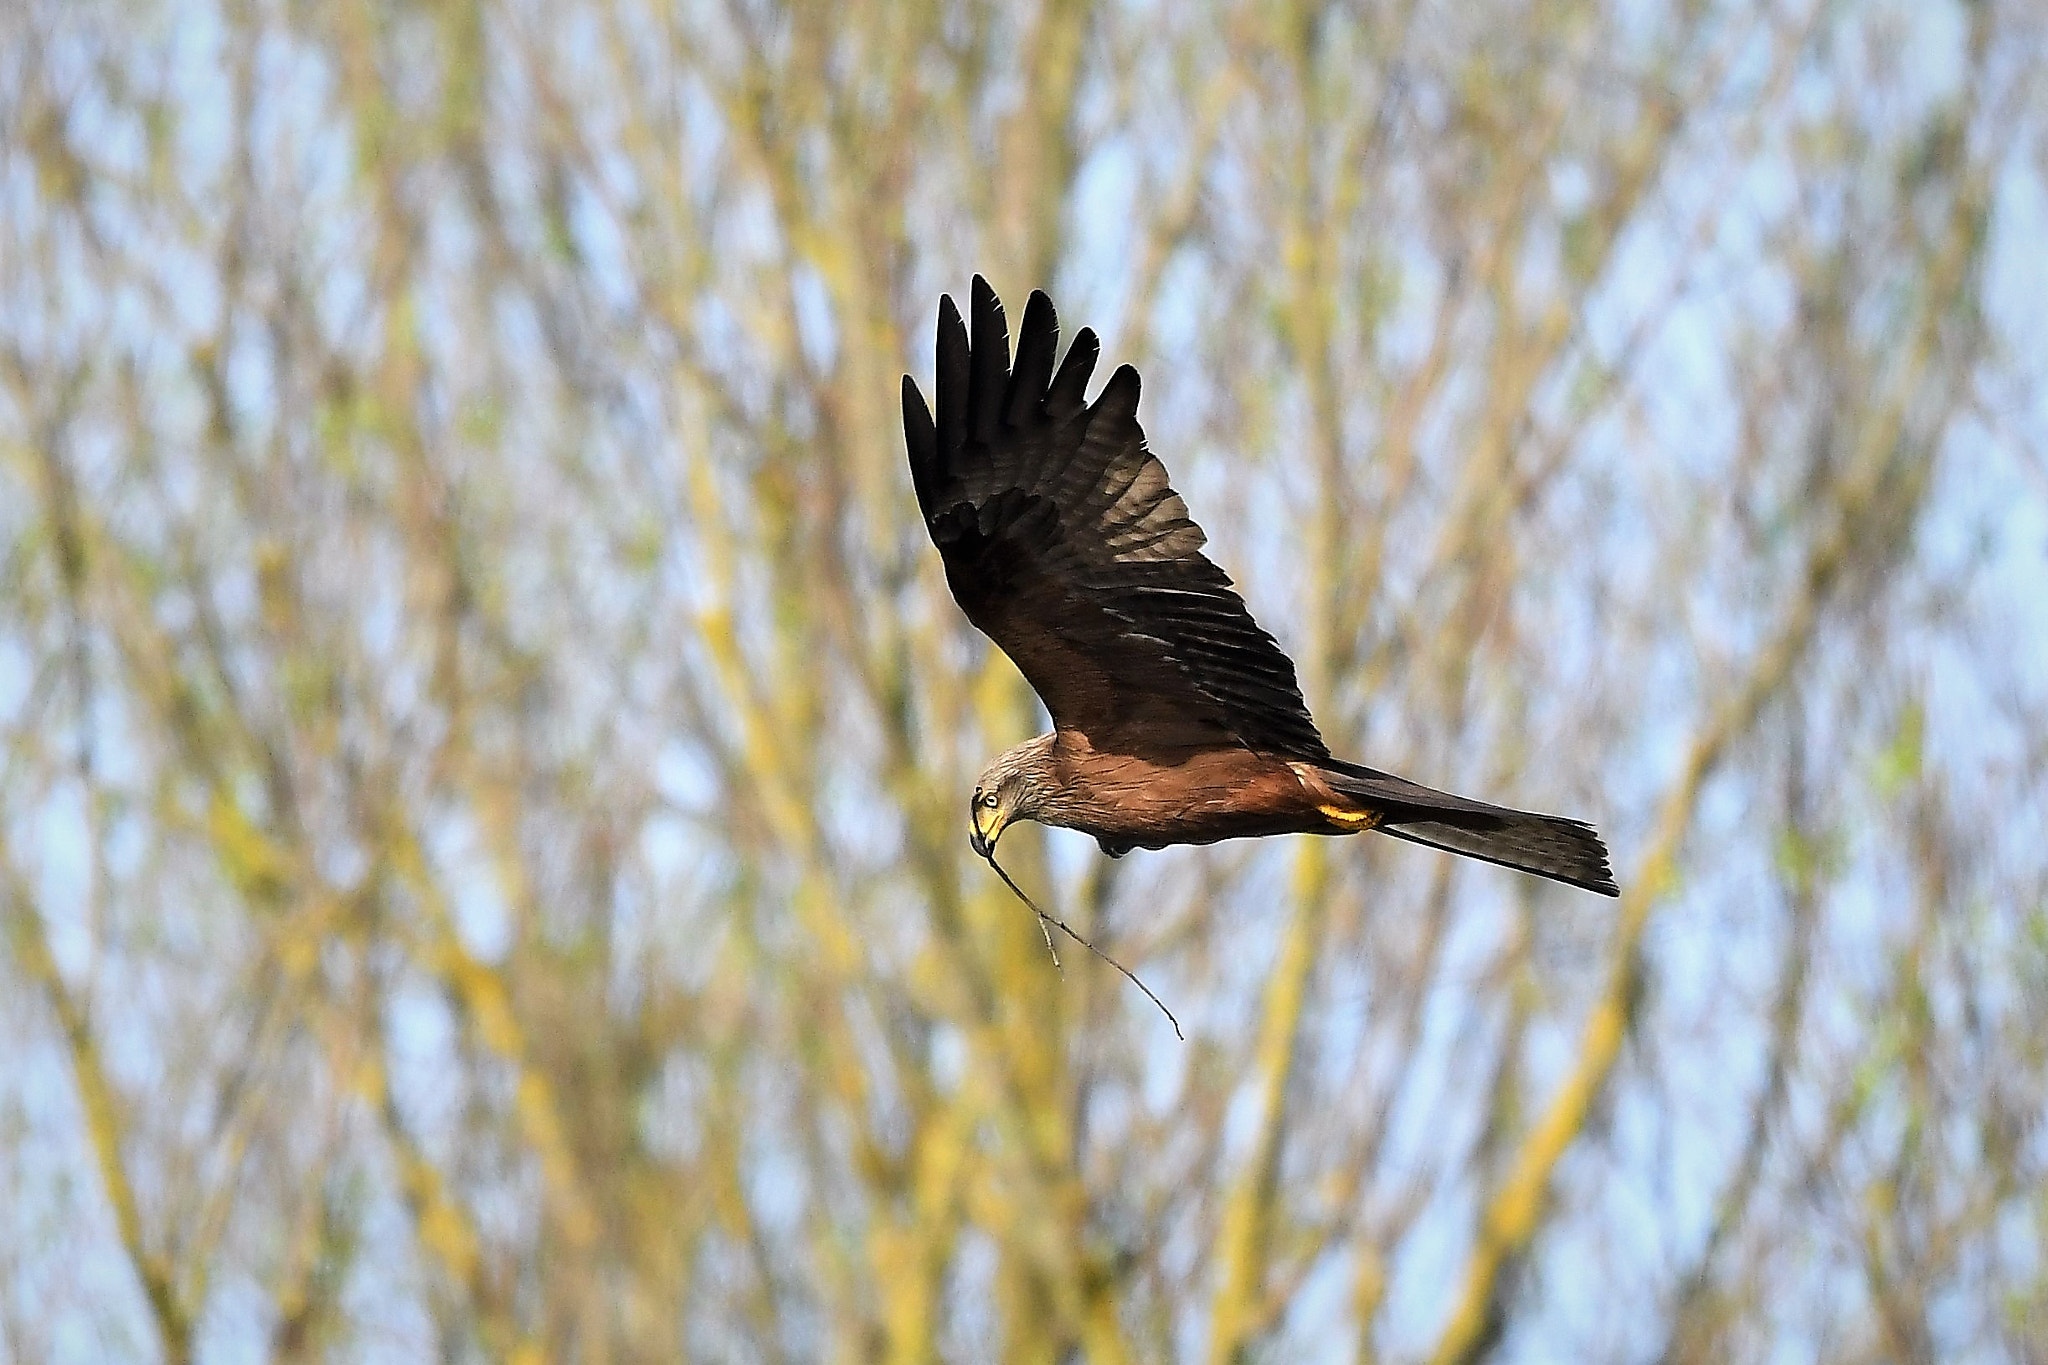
(1352, 819)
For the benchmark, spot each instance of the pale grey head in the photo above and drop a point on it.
(1016, 785)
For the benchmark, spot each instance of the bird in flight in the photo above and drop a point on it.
(1176, 719)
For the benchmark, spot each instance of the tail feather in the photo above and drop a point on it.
(1550, 846)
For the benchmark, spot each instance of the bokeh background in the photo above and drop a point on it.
(484, 740)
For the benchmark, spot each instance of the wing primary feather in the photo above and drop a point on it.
(922, 438)
(989, 376)
(952, 381)
(1069, 391)
(1038, 345)
(1118, 401)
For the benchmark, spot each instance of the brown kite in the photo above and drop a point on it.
(1176, 719)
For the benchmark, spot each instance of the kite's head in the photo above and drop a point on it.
(989, 817)
(1007, 790)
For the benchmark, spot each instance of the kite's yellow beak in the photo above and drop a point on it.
(988, 827)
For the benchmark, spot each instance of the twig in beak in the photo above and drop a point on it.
(1056, 922)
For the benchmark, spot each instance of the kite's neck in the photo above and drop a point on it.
(1033, 757)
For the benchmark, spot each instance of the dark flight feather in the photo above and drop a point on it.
(1064, 542)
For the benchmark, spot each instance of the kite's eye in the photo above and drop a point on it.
(989, 799)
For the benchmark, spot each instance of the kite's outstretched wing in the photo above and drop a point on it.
(1063, 542)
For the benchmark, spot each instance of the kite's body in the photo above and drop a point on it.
(1176, 719)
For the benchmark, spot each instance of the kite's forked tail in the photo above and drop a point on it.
(1547, 845)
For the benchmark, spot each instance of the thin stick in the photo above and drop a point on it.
(1060, 924)
(1044, 920)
